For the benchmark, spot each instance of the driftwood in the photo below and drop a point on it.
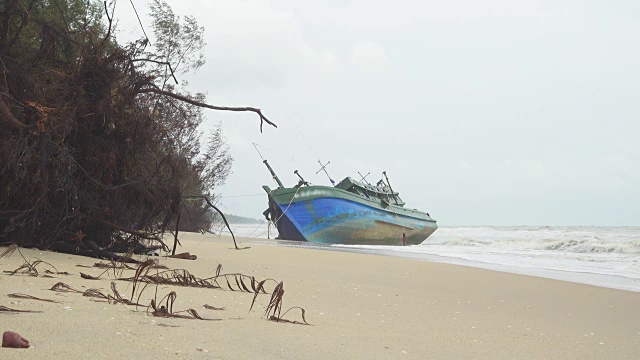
(185, 255)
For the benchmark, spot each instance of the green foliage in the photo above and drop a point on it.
(177, 41)
(57, 26)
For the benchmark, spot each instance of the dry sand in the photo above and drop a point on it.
(360, 306)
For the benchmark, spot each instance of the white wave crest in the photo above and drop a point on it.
(621, 240)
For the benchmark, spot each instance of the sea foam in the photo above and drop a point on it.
(602, 256)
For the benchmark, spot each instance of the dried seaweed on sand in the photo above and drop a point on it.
(166, 310)
(114, 298)
(31, 269)
(9, 250)
(182, 277)
(62, 287)
(273, 311)
(143, 277)
(10, 310)
(29, 297)
(122, 266)
(27, 267)
(117, 267)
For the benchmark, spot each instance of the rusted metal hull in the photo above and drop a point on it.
(328, 215)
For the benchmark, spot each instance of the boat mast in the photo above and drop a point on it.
(275, 177)
(388, 183)
(302, 180)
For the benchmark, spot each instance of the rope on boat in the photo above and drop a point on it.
(236, 196)
(279, 154)
(305, 140)
(285, 210)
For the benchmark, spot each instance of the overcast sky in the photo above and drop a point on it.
(494, 112)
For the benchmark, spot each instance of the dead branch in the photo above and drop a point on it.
(95, 252)
(158, 91)
(175, 239)
(8, 116)
(206, 198)
(110, 19)
(166, 63)
(184, 255)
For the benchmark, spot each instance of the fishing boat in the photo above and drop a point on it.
(350, 212)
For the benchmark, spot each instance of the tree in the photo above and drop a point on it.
(99, 149)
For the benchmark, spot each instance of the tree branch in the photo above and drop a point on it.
(204, 105)
(110, 18)
(206, 198)
(201, 230)
(6, 113)
(25, 17)
(161, 63)
(175, 238)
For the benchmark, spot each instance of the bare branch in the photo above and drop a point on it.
(110, 18)
(161, 63)
(213, 107)
(6, 113)
(206, 198)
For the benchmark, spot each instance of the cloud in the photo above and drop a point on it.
(369, 56)
(473, 107)
(249, 43)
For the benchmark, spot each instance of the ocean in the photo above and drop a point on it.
(601, 256)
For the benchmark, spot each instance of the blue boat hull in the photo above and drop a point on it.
(337, 220)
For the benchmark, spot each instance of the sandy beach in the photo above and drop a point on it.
(358, 305)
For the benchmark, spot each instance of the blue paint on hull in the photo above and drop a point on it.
(342, 221)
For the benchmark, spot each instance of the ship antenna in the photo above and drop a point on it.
(324, 168)
(256, 147)
(364, 178)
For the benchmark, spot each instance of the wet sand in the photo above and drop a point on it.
(359, 305)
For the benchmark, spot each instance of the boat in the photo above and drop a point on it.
(350, 212)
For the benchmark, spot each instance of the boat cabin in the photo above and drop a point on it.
(380, 191)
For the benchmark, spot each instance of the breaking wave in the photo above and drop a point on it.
(621, 240)
(603, 256)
